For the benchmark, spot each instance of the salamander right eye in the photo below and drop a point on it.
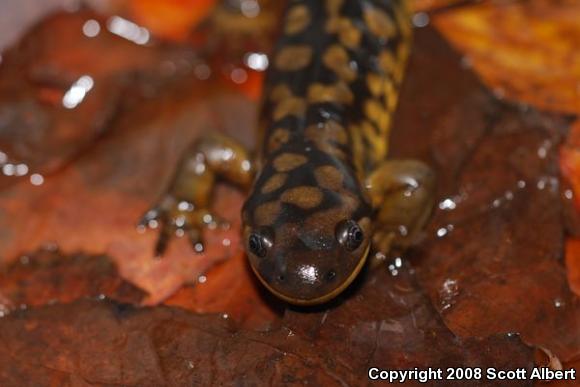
(258, 245)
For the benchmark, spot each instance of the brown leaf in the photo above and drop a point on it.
(47, 277)
(389, 324)
(491, 259)
(94, 204)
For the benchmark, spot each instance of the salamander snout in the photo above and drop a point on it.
(308, 265)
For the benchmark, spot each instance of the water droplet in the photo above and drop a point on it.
(499, 92)
(202, 71)
(250, 8)
(420, 19)
(91, 28)
(180, 221)
(201, 279)
(466, 62)
(544, 148)
(4, 310)
(447, 204)
(256, 61)
(447, 293)
(398, 262)
(541, 184)
(226, 242)
(36, 179)
(184, 206)
(403, 230)
(559, 303)
(77, 92)
(21, 169)
(8, 169)
(509, 195)
(128, 30)
(239, 76)
(568, 194)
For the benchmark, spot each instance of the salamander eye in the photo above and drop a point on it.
(259, 244)
(349, 234)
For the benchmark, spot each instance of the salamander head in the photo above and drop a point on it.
(307, 227)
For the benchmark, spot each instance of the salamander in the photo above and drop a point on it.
(322, 193)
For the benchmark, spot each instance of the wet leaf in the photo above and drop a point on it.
(105, 343)
(48, 277)
(491, 259)
(526, 51)
(62, 85)
(483, 268)
(174, 19)
(94, 204)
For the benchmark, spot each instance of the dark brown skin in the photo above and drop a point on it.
(324, 192)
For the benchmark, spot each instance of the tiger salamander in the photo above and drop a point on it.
(321, 189)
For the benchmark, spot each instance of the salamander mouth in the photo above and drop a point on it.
(321, 299)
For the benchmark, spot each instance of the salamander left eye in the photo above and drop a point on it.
(259, 244)
(349, 234)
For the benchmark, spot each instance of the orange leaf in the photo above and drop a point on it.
(171, 19)
(527, 51)
(573, 263)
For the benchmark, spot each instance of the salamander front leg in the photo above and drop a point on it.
(185, 207)
(402, 191)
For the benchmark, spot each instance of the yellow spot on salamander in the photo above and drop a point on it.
(328, 177)
(293, 58)
(328, 131)
(278, 137)
(267, 213)
(289, 106)
(375, 111)
(337, 59)
(348, 33)
(303, 197)
(288, 161)
(379, 23)
(375, 83)
(280, 92)
(274, 183)
(333, 6)
(337, 93)
(297, 19)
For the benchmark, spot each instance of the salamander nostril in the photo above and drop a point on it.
(330, 275)
(281, 278)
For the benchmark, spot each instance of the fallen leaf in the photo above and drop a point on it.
(491, 259)
(526, 51)
(390, 324)
(170, 19)
(48, 277)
